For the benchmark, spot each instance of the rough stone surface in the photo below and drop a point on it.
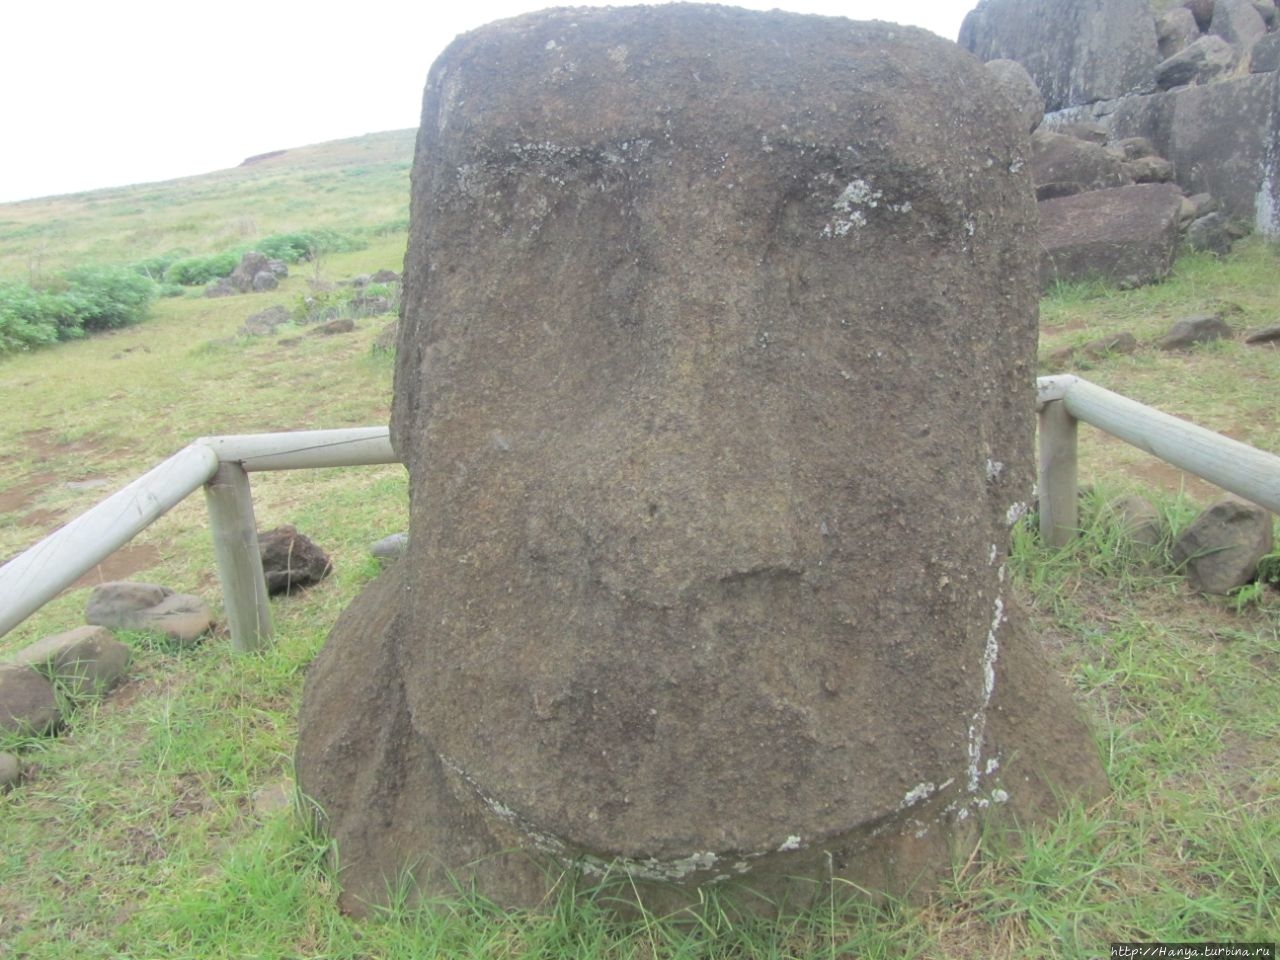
(222, 287)
(1214, 233)
(1190, 331)
(390, 547)
(87, 661)
(1126, 234)
(265, 280)
(1200, 62)
(27, 701)
(1237, 22)
(1202, 10)
(1265, 56)
(1063, 165)
(1176, 29)
(658, 432)
(1269, 334)
(291, 560)
(1135, 148)
(1077, 51)
(10, 772)
(250, 266)
(1149, 170)
(265, 322)
(1139, 522)
(385, 276)
(1019, 88)
(331, 327)
(123, 605)
(1221, 547)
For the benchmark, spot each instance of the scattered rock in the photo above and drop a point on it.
(291, 560)
(331, 327)
(1202, 203)
(1213, 233)
(385, 276)
(10, 772)
(1096, 350)
(272, 799)
(1126, 234)
(27, 701)
(1221, 548)
(1176, 29)
(1140, 523)
(265, 322)
(1021, 90)
(370, 306)
(386, 338)
(1135, 148)
(1205, 60)
(87, 661)
(1269, 334)
(1063, 165)
(390, 548)
(1190, 331)
(222, 287)
(250, 265)
(1265, 56)
(264, 280)
(279, 268)
(124, 605)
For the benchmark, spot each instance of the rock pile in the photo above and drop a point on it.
(1198, 83)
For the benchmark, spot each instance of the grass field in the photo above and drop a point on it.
(160, 823)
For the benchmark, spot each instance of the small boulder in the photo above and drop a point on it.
(1176, 29)
(10, 772)
(1207, 59)
(1202, 10)
(1125, 234)
(264, 280)
(385, 276)
(1063, 165)
(390, 548)
(27, 701)
(1190, 331)
(87, 661)
(1265, 56)
(250, 265)
(1269, 334)
(329, 328)
(291, 560)
(1148, 170)
(1202, 203)
(386, 338)
(1138, 521)
(1097, 350)
(222, 287)
(265, 322)
(279, 268)
(1221, 548)
(1213, 233)
(1021, 90)
(1237, 22)
(122, 605)
(1135, 148)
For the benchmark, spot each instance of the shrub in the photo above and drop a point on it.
(28, 318)
(154, 268)
(106, 298)
(306, 244)
(197, 271)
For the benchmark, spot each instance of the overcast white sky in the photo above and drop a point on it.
(103, 93)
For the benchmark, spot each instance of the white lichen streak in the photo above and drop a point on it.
(855, 199)
(977, 726)
(791, 843)
(1015, 513)
(921, 791)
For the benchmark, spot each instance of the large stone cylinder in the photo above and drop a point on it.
(715, 387)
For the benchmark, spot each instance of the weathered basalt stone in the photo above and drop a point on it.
(1200, 62)
(27, 701)
(1021, 89)
(1190, 331)
(87, 661)
(1269, 334)
(1176, 29)
(1077, 51)
(1237, 22)
(1213, 233)
(1265, 56)
(1126, 234)
(291, 560)
(659, 434)
(125, 605)
(10, 772)
(1221, 548)
(1062, 165)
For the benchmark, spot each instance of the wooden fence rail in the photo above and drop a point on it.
(221, 465)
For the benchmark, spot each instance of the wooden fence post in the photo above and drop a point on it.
(1059, 520)
(235, 544)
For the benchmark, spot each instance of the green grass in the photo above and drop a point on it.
(145, 829)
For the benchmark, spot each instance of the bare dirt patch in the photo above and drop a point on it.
(121, 565)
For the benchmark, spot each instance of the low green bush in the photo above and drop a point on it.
(197, 271)
(106, 298)
(28, 318)
(306, 244)
(79, 301)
